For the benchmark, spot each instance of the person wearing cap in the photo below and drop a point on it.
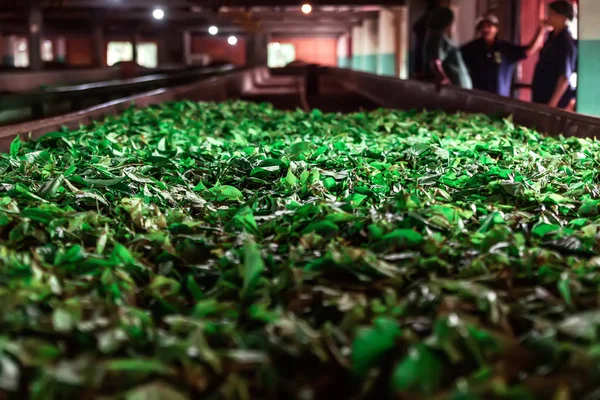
(442, 58)
(492, 61)
(558, 58)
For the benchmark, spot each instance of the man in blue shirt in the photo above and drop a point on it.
(558, 58)
(492, 61)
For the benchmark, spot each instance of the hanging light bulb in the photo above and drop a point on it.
(158, 13)
(306, 8)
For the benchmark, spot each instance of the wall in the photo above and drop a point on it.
(219, 50)
(344, 59)
(588, 100)
(321, 50)
(79, 51)
(466, 14)
(370, 45)
(365, 51)
(386, 50)
(357, 51)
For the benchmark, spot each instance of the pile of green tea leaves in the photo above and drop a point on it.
(234, 251)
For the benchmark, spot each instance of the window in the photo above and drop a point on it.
(280, 54)
(119, 51)
(47, 50)
(22, 53)
(147, 53)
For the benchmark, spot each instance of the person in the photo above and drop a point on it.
(492, 61)
(442, 58)
(551, 79)
(420, 33)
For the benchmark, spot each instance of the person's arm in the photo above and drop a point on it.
(561, 88)
(438, 55)
(441, 78)
(537, 42)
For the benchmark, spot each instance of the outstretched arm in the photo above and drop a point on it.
(537, 42)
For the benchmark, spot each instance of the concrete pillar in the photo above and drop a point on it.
(387, 38)
(9, 50)
(370, 45)
(402, 42)
(343, 50)
(60, 49)
(357, 55)
(187, 47)
(256, 49)
(98, 45)
(134, 42)
(35, 39)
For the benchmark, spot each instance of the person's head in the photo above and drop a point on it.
(441, 21)
(433, 4)
(487, 27)
(560, 13)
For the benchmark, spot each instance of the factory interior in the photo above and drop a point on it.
(287, 199)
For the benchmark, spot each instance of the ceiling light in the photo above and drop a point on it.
(232, 40)
(213, 30)
(158, 13)
(306, 8)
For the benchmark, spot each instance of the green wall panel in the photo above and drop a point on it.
(588, 99)
(370, 63)
(344, 62)
(386, 64)
(357, 63)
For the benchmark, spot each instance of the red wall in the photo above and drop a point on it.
(79, 51)
(313, 50)
(219, 50)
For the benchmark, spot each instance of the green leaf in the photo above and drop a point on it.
(15, 146)
(542, 230)
(372, 343)
(195, 290)
(589, 209)
(253, 268)
(143, 366)
(421, 371)
(404, 237)
(290, 179)
(225, 193)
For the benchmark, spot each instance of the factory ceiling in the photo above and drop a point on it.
(328, 17)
